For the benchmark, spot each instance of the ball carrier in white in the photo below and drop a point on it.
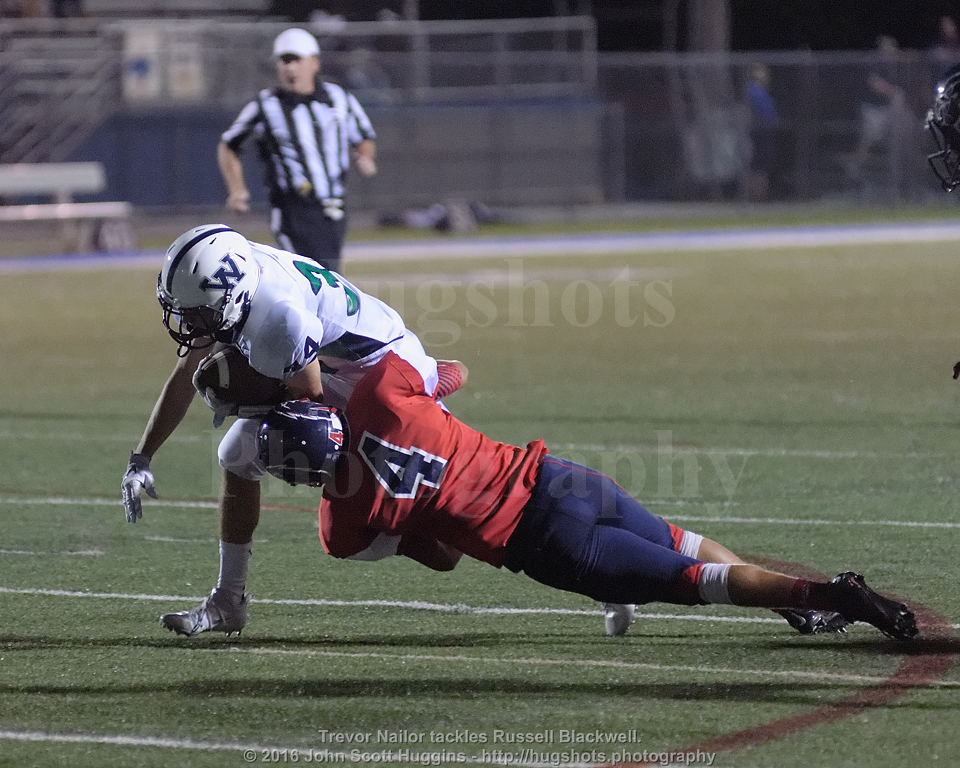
(294, 321)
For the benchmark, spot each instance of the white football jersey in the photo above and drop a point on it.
(301, 311)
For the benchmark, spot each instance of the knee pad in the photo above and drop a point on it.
(238, 450)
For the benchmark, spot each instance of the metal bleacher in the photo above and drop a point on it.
(59, 79)
(56, 84)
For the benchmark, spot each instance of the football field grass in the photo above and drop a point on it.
(793, 404)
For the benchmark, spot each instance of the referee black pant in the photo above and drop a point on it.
(301, 226)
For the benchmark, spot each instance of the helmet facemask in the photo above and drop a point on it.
(199, 327)
(943, 122)
(946, 161)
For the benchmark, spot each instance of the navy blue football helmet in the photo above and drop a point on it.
(301, 442)
(943, 122)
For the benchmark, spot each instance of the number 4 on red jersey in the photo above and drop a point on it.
(401, 470)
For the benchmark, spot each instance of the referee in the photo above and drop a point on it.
(306, 133)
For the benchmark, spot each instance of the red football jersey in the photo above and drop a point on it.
(414, 468)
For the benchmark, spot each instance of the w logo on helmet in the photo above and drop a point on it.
(225, 277)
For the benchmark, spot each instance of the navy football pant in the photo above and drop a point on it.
(581, 532)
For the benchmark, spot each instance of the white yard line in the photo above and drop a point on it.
(594, 663)
(800, 521)
(765, 452)
(97, 502)
(419, 605)
(88, 437)
(171, 540)
(587, 447)
(128, 741)
(254, 752)
(82, 553)
(408, 604)
(420, 754)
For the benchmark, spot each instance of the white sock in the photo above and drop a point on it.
(690, 544)
(233, 567)
(713, 583)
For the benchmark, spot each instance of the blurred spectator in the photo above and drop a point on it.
(888, 152)
(302, 11)
(882, 100)
(945, 50)
(763, 133)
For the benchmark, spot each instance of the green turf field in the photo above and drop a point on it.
(795, 405)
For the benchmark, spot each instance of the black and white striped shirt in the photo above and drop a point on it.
(303, 140)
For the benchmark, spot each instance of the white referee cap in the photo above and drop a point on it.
(296, 41)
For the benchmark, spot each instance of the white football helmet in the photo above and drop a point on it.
(205, 286)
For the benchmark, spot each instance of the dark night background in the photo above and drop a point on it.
(637, 25)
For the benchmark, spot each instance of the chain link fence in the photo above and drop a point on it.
(774, 126)
(518, 112)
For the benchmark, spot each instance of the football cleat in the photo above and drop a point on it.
(218, 613)
(617, 618)
(810, 622)
(857, 602)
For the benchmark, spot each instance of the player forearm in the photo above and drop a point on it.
(306, 384)
(171, 406)
(429, 552)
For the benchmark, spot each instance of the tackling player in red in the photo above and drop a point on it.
(401, 476)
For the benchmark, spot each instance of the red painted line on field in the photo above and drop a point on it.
(926, 660)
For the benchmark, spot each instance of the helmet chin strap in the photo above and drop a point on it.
(200, 333)
(187, 336)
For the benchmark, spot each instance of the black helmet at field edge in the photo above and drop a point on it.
(943, 122)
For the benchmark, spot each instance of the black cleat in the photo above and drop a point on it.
(811, 622)
(857, 602)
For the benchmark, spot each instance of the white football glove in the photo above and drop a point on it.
(138, 476)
